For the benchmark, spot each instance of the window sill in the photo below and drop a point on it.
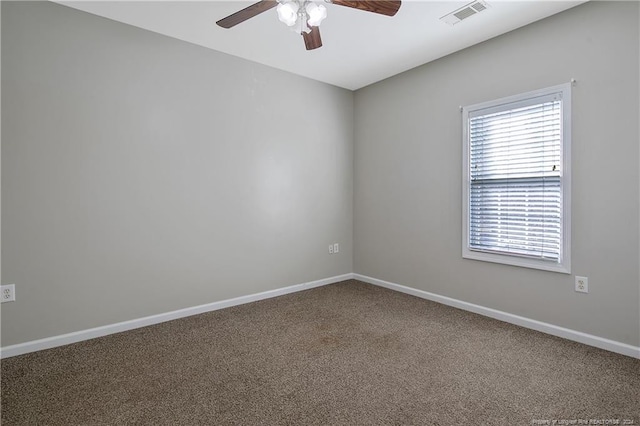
(517, 261)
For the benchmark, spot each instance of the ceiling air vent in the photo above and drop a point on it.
(464, 12)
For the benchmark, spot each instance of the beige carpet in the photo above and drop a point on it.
(348, 353)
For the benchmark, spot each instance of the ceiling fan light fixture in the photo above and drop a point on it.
(288, 13)
(301, 25)
(316, 13)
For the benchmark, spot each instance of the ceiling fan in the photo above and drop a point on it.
(305, 16)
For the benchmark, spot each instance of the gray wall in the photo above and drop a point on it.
(407, 181)
(141, 174)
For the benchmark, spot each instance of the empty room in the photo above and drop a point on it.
(312, 212)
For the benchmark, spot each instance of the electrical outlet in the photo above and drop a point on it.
(582, 284)
(336, 248)
(8, 293)
(330, 248)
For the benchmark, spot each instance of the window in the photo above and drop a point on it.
(517, 184)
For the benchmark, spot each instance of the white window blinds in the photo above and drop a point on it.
(515, 171)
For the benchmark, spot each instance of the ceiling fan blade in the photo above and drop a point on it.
(383, 7)
(312, 39)
(246, 13)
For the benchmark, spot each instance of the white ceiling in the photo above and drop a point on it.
(359, 48)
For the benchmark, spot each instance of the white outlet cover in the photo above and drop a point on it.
(336, 248)
(7, 293)
(582, 284)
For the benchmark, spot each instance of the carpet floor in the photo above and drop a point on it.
(348, 353)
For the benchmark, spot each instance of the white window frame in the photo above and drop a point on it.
(564, 264)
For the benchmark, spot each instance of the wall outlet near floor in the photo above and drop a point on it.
(334, 248)
(8, 293)
(582, 284)
(330, 248)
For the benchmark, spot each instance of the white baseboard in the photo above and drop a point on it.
(576, 336)
(78, 336)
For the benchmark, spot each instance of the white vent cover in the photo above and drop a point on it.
(464, 12)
